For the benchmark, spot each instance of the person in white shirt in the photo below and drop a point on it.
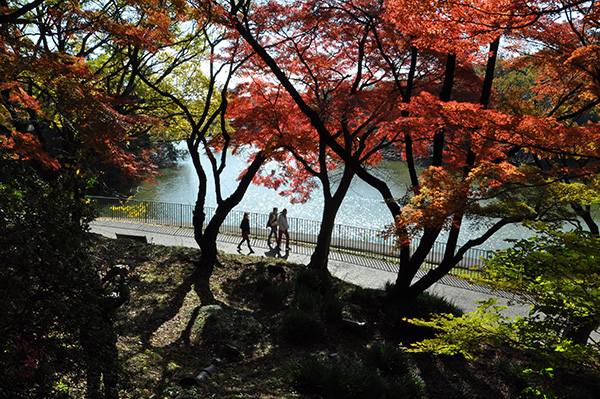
(283, 230)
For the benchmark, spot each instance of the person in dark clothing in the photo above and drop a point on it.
(272, 224)
(245, 226)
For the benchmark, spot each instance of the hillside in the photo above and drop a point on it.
(266, 331)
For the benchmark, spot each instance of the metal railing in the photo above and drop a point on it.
(303, 231)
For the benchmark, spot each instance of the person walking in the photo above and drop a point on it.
(272, 224)
(245, 226)
(283, 230)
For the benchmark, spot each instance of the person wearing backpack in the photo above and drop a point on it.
(272, 224)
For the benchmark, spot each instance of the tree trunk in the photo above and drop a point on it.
(410, 266)
(488, 81)
(207, 238)
(581, 331)
(319, 258)
(585, 214)
(432, 277)
(208, 249)
(206, 264)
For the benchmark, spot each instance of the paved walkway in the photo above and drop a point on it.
(359, 270)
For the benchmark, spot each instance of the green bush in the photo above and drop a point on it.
(558, 273)
(308, 300)
(351, 378)
(274, 296)
(314, 280)
(395, 364)
(409, 386)
(300, 327)
(366, 297)
(422, 307)
(325, 304)
(56, 319)
(388, 358)
(337, 379)
(427, 304)
(465, 334)
(331, 309)
(513, 372)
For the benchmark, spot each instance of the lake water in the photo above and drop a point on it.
(362, 206)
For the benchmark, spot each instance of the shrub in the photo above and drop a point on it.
(308, 300)
(395, 364)
(558, 273)
(422, 307)
(331, 308)
(337, 379)
(427, 304)
(300, 327)
(513, 372)
(274, 296)
(325, 304)
(366, 297)
(314, 280)
(465, 334)
(351, 378)
(56, 317)
(388, 358)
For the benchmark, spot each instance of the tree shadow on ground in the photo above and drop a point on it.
(160, 278)
(245, 286)
(215, 336)
(151, 312)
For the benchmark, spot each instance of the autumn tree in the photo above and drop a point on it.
(558, 148)
(54, 110)
(333, 56)
(558, 81)
(443, 113)
(193, 77)
(258, 106)
(56, 122)
(348, 82)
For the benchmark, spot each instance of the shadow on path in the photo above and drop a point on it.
(275, 253)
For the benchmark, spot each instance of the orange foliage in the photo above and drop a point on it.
(49, 86)
(349, 64)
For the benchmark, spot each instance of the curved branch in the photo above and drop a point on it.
(13, 17)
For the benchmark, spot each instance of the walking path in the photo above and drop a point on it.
(359, 270)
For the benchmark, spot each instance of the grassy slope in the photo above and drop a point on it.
(166, 335)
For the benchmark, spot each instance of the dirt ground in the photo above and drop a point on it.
(166, 335)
